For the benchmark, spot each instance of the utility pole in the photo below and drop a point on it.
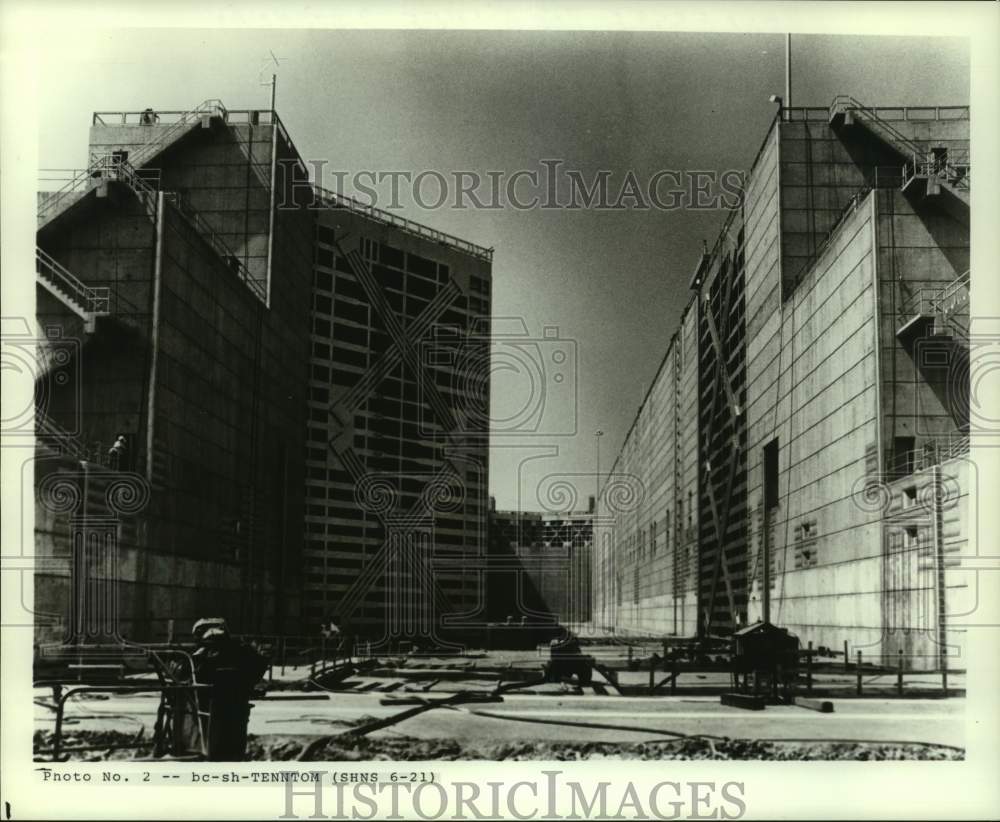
(597, 549)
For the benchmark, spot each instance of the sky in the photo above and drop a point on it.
(605, 288)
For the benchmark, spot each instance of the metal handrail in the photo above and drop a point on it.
(66, 441)
(82, 179)
(841, 99)
(208, 233)
(932, 298)
(113, 167)
(96, 300)
(334, 200)
(328, 198)
(963, 280)
(188, 118)
(921, 159)
(958, 176)
(932, 452)
(852, 205)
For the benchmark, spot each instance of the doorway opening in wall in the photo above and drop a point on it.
(903, 455)
(939, 155)
(771, 499)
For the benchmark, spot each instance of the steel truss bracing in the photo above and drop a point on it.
(416, 525)
(722, 440)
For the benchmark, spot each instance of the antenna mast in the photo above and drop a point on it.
(788, 71)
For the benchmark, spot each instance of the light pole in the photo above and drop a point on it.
(594, 537)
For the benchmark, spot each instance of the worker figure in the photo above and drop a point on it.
(117, 454)
(232, 668)
(330, 630)
(345, 634)
(567, 659)
(149, 117)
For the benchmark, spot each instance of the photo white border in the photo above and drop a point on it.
(913, 790)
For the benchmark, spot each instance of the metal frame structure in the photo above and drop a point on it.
(722, 432)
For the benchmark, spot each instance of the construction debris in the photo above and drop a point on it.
(105, 746)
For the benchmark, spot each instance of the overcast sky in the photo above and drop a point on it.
(613, 282)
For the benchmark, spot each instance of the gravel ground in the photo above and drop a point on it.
(400, 749)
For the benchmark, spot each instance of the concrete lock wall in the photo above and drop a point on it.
(812, 372)
(397, 458)
(828, 265)
(923, 247)
(218, 423)
(929, 528)
(540, 567)
(645, 572)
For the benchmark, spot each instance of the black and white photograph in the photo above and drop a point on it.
(522, 415)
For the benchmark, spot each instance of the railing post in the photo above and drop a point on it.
(859, 673)
(847, 659)
(809, 667)
(899, 675)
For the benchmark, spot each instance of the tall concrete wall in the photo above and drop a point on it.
(812, 373)
(645, 574)
(823, 166)
(720, 284)
(922, 249)
(929, 521)
(827, 266)
(398, 457)
(218, 423)
(540, 567)
(852, 332)
(221, 170)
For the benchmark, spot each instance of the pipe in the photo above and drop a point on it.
(274, 165)
(154, 338)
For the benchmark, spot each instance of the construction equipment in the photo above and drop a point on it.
(567, 660)
(765, 661)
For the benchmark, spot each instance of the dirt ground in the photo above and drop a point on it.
(401, 749)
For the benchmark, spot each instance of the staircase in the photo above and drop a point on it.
(85, 301)
(108, 165)
(922, 169)
(144, 184)
(937, 311)
(163, 137)
(102, 169)
(200, 115)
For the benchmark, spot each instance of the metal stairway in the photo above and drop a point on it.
(922, 169)
(85, 301)
(937, 311)
(144, 184)
(104, 166)
(200, 115)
